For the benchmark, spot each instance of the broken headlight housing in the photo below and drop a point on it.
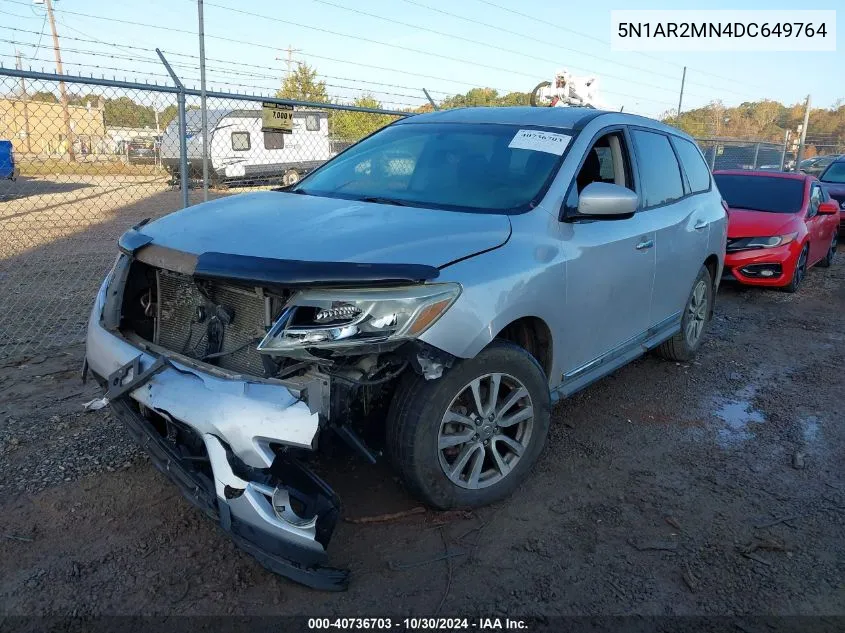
(327, 318)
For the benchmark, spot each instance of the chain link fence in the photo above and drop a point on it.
(94, 157)
(722, 153)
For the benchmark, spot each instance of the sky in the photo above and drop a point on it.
(356, 53)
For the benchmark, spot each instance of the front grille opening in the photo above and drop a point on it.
(183, 439)
(213, 322)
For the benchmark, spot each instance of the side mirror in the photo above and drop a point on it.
(601, 200)
(828, 208)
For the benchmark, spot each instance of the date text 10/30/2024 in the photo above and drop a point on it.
(418, 624)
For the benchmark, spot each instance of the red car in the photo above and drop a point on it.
(779, 225)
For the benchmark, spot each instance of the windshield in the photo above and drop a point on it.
(761, 193)
(457, 166)
(835, 173)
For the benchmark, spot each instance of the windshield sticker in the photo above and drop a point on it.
(549, 142)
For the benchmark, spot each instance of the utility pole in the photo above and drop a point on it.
(289, 60)
(800, 156)
(24, 98)
(681, 97)
(204, 113)
(62, 89)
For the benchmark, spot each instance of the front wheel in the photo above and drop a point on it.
(684, 345)
(472, 436)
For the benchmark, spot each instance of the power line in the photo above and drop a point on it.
(566, 48)
(256, 45)
(354, 37)
(603, 41)
(404, 48)
(500, 48)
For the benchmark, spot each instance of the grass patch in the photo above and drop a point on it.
(57, 166)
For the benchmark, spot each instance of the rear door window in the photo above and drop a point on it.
(696, 169)
(660, 174)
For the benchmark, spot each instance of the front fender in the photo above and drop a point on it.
(525, 278)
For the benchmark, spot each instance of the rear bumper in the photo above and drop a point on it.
(785, 257)
(237, 476)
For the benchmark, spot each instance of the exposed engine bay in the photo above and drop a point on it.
(345, 365)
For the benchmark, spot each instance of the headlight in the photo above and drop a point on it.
(743, 243)
(337, 318)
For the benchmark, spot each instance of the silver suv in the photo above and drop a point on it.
(428, 294)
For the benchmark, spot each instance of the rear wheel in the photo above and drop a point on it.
(470, 437)
(800, 271)
(684, 345)
(827, 262)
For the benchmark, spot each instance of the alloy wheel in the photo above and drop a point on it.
(485, 431)
(696, 313)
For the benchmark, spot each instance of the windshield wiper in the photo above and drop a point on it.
(383, 200)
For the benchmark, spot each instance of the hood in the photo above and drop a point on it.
(279, 225)
(745, 223)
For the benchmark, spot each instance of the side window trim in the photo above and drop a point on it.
(626, 151)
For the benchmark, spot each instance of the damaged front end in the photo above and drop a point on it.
(229, 369)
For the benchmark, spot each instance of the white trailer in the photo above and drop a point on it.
(240, 151)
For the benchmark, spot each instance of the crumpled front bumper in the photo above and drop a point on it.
(239, 423)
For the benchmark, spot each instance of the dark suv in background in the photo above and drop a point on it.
(833, 181)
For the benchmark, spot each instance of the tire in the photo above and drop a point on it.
(800, 271)
(683, 346)
(416, 427)
(290, 178)
(827, 262)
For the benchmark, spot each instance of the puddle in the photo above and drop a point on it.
(736, 413)
(810, 429)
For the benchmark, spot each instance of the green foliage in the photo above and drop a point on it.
(302, 85)
(124, 112)
(352, 126)
(486, 97)
(167, 115)
(44, 95)
(763, 120)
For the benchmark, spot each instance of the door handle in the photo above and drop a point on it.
(700, 224)
(645, 244)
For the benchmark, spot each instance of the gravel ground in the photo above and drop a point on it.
(714, 487)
